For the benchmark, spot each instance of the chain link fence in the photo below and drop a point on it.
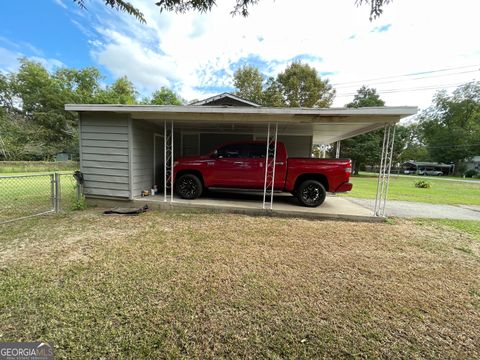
(23, 196)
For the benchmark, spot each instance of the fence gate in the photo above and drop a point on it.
(24, 196)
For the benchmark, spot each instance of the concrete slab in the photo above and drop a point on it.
(410, 209)
(285, 205)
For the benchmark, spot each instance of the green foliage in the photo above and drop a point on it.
(182, 6)
(79, 204)
(366, 97)
(414, 148)
(365, 149)
(301, 86)
(423, 184)
(241, 6)
(471, 173)
(33, 122)
(249, 83)
(451, 126)
(298, 86)
(164, 96)
(120, 5)
(121, 91)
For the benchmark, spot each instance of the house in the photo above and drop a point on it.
(473, 163)
(125, 149)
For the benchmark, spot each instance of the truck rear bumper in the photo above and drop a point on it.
(344, 187)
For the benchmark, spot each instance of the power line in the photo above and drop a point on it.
(406, 75)
(390, 91)
(417, 78)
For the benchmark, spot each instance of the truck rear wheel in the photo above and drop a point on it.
(311, 193)
(189, 187)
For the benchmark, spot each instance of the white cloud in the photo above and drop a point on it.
(193, 52)
(60, 3)
(8, 60)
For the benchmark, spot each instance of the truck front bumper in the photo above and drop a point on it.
(344, 187)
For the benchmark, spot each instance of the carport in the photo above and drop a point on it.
(125, 149)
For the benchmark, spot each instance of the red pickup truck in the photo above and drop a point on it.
(241, 165)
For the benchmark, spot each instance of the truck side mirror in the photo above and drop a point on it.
(214, 154)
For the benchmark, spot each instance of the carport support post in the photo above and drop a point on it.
(269, 180)
(383, 181)
(167, 161)
(389, 168)
(274, 164)
(171, 166)
(266, 166)
(337, 150)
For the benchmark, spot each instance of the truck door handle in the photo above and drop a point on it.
(280, 163)
(238, 163)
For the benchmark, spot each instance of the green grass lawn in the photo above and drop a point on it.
(403, 188)
(8, 167)
(29, 195)
(201, 285)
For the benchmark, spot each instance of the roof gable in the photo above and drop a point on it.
(225, 99)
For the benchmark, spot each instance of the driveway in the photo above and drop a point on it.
(409, 209)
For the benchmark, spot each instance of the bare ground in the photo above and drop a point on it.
(183, 284)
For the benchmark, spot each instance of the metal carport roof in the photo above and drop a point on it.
(326, 125)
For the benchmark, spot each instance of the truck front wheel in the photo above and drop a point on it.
(311, 193)
(189, 186)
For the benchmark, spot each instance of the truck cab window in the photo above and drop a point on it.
(232, 151)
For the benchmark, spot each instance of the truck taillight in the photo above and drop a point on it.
(348, 170)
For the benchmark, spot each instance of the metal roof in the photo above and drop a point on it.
(326, 125)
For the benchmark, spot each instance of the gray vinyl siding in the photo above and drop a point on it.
(142, 155)
(104, 154)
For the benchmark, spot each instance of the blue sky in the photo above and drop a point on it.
(197, 54)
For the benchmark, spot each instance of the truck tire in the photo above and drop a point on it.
(189, 187)
(311, 193)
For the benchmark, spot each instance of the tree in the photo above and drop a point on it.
(33, 122)
(301, 86)
(297, 86)
(366, 97)
(241, 6)
(363, 149)
(414, 148)
(122, 91)
(164, 96)
(451, 126)
(249, 83)
(120, 5)
(272, 94)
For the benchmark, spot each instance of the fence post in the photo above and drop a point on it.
(79, 190)
(57, 192)
(53, 192)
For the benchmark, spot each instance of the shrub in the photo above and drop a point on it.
(423, 184)
(471, 173)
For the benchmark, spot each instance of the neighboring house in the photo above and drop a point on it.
(225, 99)
(420, 166)
(473, 163)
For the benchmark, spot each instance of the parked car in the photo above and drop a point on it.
(430, 172)
(241, 165)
